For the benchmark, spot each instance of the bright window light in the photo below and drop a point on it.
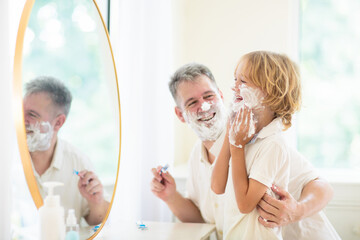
(329, 122)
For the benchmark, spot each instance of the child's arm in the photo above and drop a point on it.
(221, 168)
(248, 192)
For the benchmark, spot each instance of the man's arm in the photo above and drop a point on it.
(314, 197)
(97, 212)
(91, 189)
(164, 187)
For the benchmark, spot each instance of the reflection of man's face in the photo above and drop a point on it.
(38, 115)
(202, 107)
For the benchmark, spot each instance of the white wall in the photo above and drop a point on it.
(6, 115)
(343, 210)
(218, 33)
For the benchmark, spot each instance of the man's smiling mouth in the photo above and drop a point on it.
(29, 131)
(207, 118)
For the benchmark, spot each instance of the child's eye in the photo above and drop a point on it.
(242, 80)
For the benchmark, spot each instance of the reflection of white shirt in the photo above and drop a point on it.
(267, 161)
(66, 159)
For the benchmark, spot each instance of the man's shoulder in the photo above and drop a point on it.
(196, 151)
(70, 151)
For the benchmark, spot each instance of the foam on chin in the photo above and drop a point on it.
(40, 138)
(208, 130)
(252, 98)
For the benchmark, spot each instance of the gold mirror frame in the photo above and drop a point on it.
(19, 114)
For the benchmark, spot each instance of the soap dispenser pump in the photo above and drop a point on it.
(52, 226)
(72, 228)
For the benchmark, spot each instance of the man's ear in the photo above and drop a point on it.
(179, 114)
(59, 121)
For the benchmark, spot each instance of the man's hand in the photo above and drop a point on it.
(90, 187)
(163, 186)
(278, 212)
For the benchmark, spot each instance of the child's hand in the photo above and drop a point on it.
(239, 132)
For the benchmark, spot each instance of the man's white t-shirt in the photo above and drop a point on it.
(66, 159)
(212, 206)
(198, 186)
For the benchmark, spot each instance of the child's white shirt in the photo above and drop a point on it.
(269, 160)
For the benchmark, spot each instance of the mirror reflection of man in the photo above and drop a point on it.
(47, 104)
(200, 104)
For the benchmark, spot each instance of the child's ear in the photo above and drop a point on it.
(179, 114)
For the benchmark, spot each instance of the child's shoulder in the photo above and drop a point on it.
(275, 141)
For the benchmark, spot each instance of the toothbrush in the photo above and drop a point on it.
(163, 169)
(77, 173)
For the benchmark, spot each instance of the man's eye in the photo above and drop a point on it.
(191, 104)
(208, 96)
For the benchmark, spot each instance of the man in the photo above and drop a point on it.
(46, 106)
(200, 104)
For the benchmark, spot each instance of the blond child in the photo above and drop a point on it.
(267, 94)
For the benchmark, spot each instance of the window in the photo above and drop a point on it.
(329, 122)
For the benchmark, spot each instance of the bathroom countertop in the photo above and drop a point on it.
(157, 230)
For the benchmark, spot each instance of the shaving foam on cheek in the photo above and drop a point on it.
(40, 138)
(251, 98)
(208, 124)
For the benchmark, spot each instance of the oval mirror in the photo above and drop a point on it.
(66, 43)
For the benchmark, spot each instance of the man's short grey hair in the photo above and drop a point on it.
(188, 72)
(58, 92)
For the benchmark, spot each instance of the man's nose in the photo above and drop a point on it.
(26, 120)
(201, 102)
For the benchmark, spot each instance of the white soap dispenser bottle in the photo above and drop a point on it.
(72, 228)
(52, 222)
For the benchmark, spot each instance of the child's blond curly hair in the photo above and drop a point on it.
(279, 78)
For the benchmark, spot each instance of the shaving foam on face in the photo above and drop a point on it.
(206, 106)
(251, 98)
(209, 123)
(40, 137)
